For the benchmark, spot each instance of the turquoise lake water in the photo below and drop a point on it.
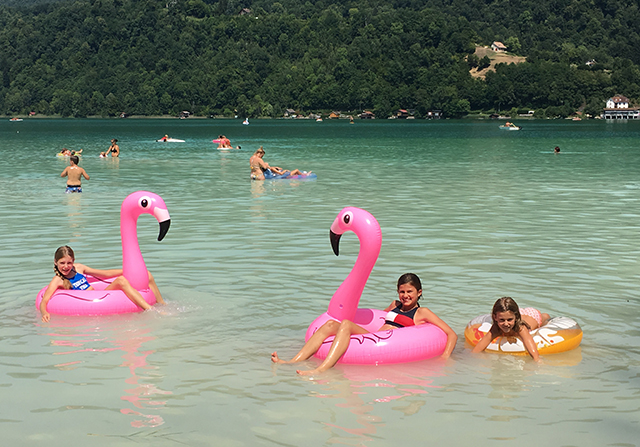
(476, 212)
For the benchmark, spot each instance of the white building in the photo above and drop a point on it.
(618, 109)
(499, 47)
(618, 102)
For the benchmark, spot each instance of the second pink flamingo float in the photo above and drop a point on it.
(401, 345)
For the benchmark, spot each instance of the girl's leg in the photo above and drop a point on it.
(313, 344)
(154, 288)
(339, 346)
(121, 283)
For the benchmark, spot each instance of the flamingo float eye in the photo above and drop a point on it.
(144, 202)
(347, 218)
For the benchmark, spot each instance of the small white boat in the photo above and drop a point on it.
(246, 121)
(15, 119)
(510, 127)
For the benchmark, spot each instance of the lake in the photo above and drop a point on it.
(476, 212)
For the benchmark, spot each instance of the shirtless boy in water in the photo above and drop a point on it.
(75, 174)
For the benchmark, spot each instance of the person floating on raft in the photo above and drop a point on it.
(260, 169)
(224, 142)
(68, 153)
(511, 321)
(72, 276)
(403, 312)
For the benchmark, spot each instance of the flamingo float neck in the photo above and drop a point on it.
(135, 204)
(345, 300)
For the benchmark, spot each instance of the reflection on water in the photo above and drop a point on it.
(74, 336)
(76, 219)
(361, 388)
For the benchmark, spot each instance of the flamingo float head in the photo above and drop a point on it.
(344, 303)
(133, 206)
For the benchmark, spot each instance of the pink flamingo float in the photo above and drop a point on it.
(401, 345)
(100, 301)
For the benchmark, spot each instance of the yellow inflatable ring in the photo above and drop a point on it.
(558, 335)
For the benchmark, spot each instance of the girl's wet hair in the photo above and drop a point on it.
(410, 278)
(508, 304)
(60, 253)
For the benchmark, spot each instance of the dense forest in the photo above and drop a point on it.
(260, 57)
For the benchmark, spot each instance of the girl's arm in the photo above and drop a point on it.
(392, 305)
(55, 284)
(424, 315)
(484, 342)
(528, 342)
(102, 274)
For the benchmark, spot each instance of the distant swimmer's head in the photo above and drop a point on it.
(557, 149)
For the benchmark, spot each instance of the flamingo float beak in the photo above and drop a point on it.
(164, 228)
(335, 242)
(162, 215)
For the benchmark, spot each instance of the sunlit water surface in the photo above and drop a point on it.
(476, 212)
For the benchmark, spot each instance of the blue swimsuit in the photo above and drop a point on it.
(79, 282)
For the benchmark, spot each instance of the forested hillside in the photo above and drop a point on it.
(258, 58)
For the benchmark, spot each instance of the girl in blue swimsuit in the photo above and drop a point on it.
(70, 275)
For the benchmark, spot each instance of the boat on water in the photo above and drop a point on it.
(246, 121)
(15, 119)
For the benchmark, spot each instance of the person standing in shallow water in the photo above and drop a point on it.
(114, 149)
(74, 174)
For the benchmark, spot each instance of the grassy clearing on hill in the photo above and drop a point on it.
(496, 58)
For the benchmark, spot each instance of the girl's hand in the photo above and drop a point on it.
(46, 317)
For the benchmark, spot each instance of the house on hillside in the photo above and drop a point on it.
(498, 47)
(402, 114)
(617, 108)
(434, 115)
(334, 115)
(367, 115)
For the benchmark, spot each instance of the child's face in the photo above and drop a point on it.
(408, 296)
(65, 265)
(505, 320)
